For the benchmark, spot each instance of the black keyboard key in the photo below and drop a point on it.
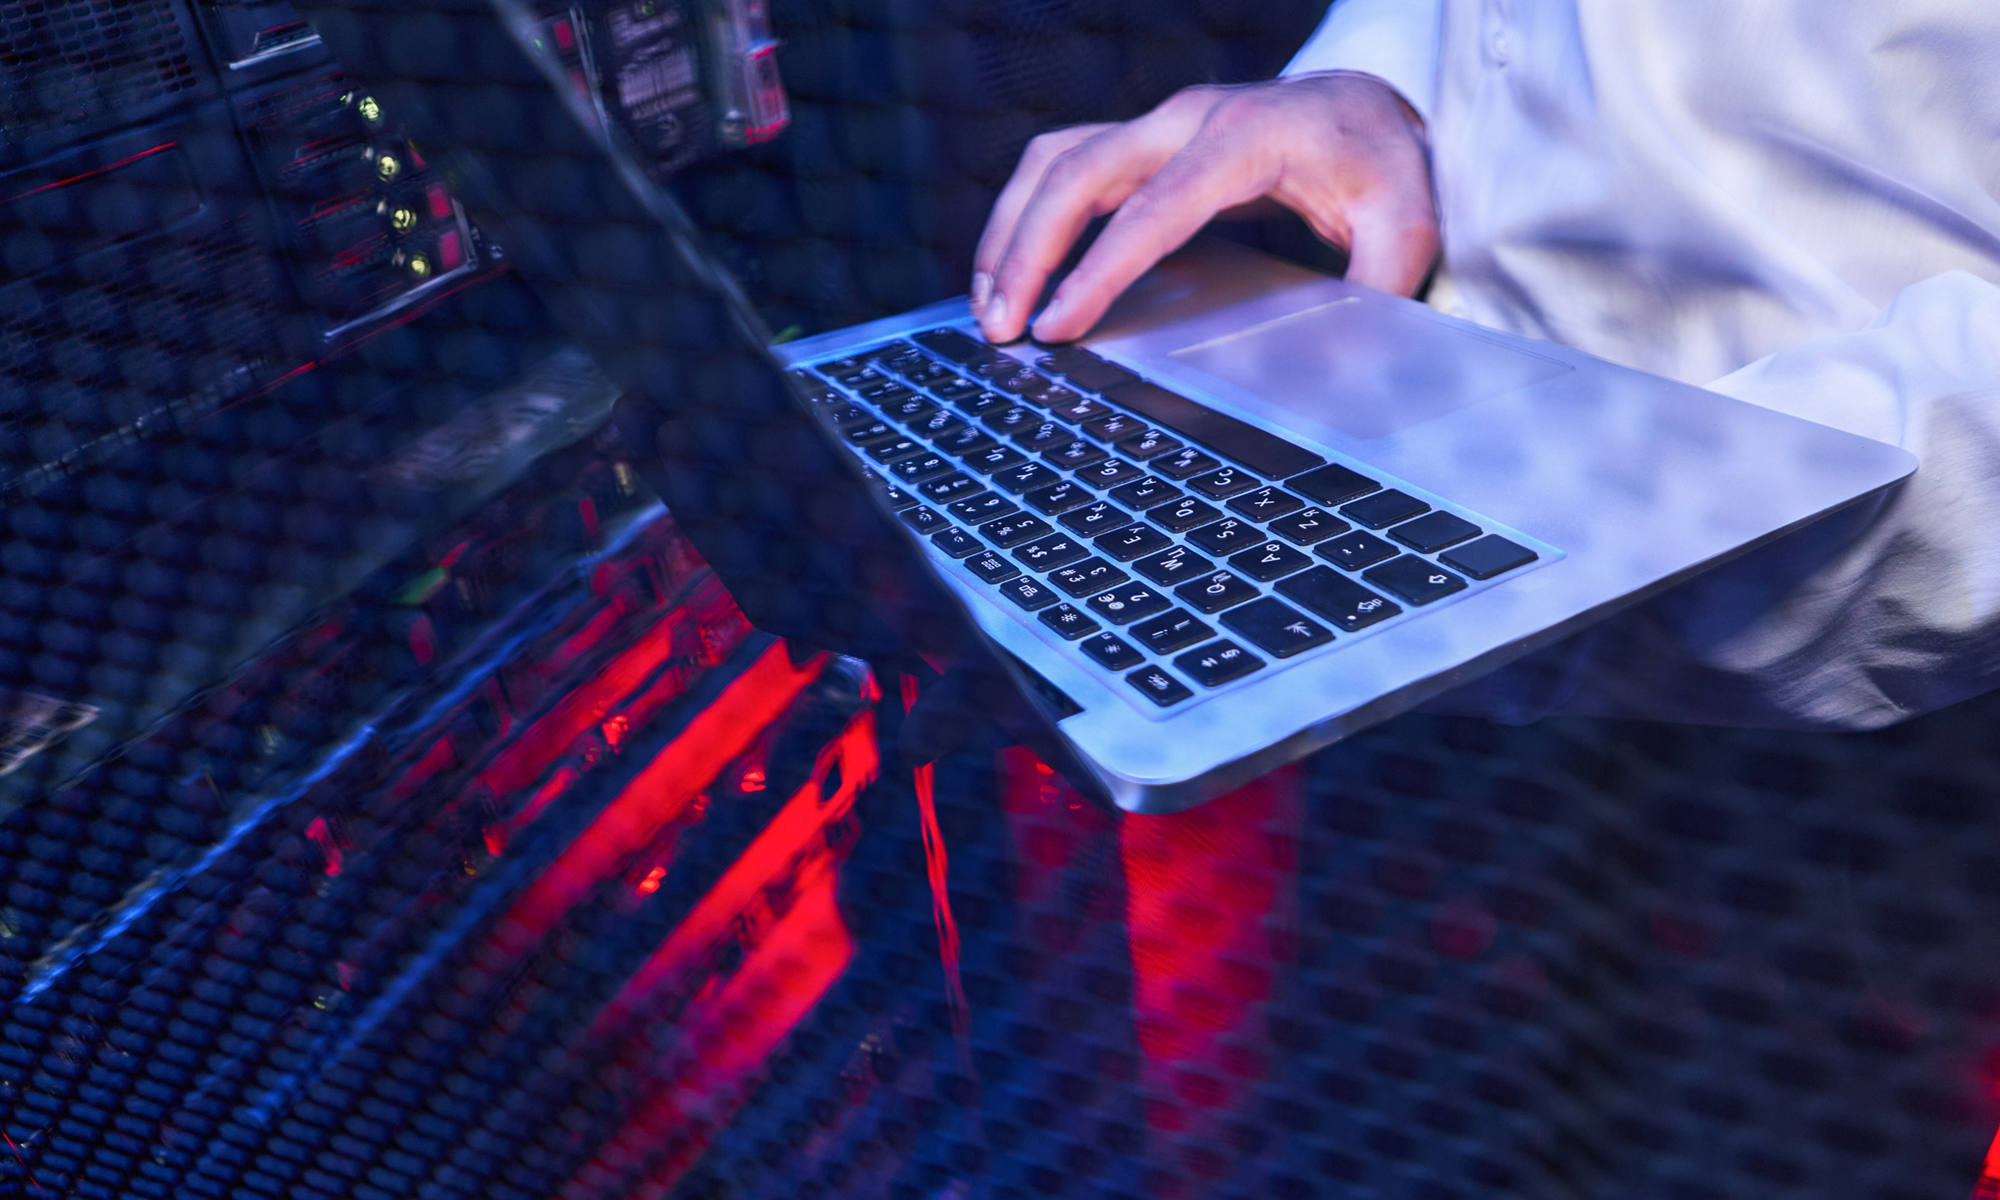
(1215, 592)
(1058, 497)
(939, 425)
(986, 506)
(898, 448)
(951, 487)
(923, 520)
(1095, 518)
(1150, 444)
(956, 390)
(1278, 629)
(1332, 484)
(991, 567)
(1183, 515)
(896, 499)
(956, 542)
(921, 467)
(1111, 653)
(1048, 553)
(953, 344)
(966, 442)
(1327, 593)
(1173, 630)
(1489, 556)
(1109, 473)
(873, 434)
(1116, 425)
(927, 373)
(1029, 593)
(1045, 436)
(1309, 525)
(1127, 603)
(1266, 504)
(843, 368)
(1156, 685)
(1433, 532)
(1130, 542)
(1217, 663)
(1183, 463)
(1414, 580)
(1025, 478)
(1007, 532)
(1173, 566)
(1080, 409)
(996, 458)
(1383, 508)
(909, 409)
(1356, 550)
(1088, 577)
(981, 403)
(847, 416)
(1069, 620)
(1272, 560)
(1075, 454)
(1222, 483)
(1262, 452)
(1146, 493)
(1012, 419)
(1021, 380)
(1084, 369)
(888, 394)
(1227, 536)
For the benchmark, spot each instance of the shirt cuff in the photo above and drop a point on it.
(1394, 40)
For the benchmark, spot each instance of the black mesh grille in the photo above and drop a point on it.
(63, 65)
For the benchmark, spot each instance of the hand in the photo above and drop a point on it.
(1340, 149)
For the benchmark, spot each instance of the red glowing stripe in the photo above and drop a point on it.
(1989, 1177)
(79, 178)
(657, 795)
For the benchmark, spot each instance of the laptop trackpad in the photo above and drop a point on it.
(1367, 370)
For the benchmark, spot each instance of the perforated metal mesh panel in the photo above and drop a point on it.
(91, 63)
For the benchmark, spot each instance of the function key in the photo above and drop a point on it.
(923, 520)
(1173, 565)
(1130, 542)
(1226, 536)
(956, 542)
(1111, 653)
(1332, 484)
(1217, 663)
(1183, 515)
(1088, 577)
(1114, 426)
(1215, 592)
(1356, 550)
(1068, 620)
(1093, 519)
(1266, 504)
(1384, 508)
(1173, 630)
(1048, 553)
(1109, 473)
(1012, 531)
(1415, 580)
(1433, 532)
(1127, 603)
(1330, 594)
(1185, 462)
(991, 567)
(1309, 525)
(1277, 629)
(1058, 497)
(843, 369)
(1270, 561)
(1145, 493)
(1489, 556)
(1150, 444)
(1029, 593)
(1223, 483)
(1156, 685)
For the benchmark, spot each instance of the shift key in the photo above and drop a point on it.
(1327, 593)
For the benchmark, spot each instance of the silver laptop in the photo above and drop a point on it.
(1259, 509)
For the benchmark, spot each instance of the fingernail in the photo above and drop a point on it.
(982, 289)
(994, 319)
(1052, 314)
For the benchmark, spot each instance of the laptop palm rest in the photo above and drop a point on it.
(1366, 370)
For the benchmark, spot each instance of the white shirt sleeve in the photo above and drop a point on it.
(1888, 610)
(1394, 40)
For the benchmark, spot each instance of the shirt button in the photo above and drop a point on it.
(1498, 46)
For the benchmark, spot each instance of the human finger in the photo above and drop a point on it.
(1006, 211)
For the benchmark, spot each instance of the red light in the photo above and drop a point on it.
(651, 883)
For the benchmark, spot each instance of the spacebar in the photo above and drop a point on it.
(1263, 453)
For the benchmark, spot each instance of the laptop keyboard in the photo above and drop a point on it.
(1170, 545)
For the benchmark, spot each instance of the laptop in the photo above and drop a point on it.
(1256, 510)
